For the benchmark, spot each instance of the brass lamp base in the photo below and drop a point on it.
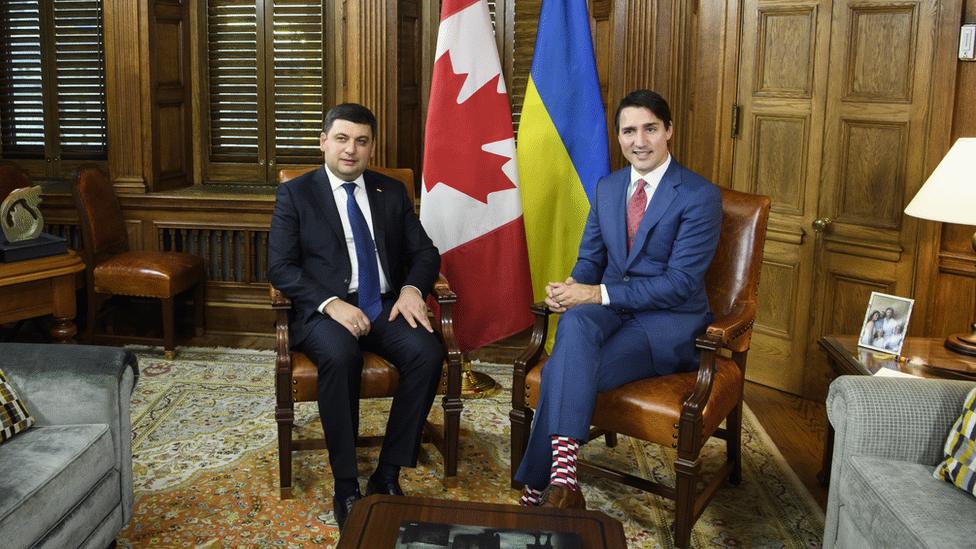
(962, 343)
(476, 384)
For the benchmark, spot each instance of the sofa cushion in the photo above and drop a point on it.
(14, 417)
(45, 472)
(899, 504)
(959, 465)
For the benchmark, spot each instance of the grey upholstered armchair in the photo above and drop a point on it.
(67, 481)
(889, 435)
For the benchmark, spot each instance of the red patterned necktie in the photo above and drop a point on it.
(635, 211)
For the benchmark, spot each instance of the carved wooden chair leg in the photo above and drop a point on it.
(521, 422)
(452, 428)
(611, 439)
(169, 348)
(686, 471)
(200, 306)
(733, 444)
(286, 420)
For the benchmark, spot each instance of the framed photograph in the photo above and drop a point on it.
(885, 323)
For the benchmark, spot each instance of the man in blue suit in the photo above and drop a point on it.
(348, 249)
(635, 300)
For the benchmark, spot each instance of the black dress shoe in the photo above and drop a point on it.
(342, 506)
(385, 487)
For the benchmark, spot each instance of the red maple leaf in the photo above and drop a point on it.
(456, 133)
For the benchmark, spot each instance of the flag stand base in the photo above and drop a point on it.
(476, 384)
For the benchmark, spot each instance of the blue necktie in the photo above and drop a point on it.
(369, 275)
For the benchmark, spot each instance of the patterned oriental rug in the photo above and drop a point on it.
(205, 467)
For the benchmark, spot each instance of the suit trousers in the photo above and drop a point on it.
(417, 355)
(596, 349)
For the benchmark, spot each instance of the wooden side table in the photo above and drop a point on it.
(375, 521)
(37, 287)
(920, 356)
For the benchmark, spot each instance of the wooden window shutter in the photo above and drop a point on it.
(232, 44)
(79, 62)
(267, 87)
(297, 98)
(526, 27)
(21, 88)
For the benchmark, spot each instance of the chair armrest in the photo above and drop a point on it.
(733, 329)
(78, 384)
(899, 419)
(530, 356)
(278, 299)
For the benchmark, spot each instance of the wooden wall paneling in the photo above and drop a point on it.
(124, 54)
(169, 88)
(710, 90)
(408, 77)
(370, 58)
(946, 271)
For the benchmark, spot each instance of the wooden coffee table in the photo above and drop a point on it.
(374, 522)
(36, 287)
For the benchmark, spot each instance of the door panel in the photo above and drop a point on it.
(875, 135)
(781, 96)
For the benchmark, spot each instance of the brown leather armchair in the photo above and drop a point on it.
(680, 410)
(12, 177)
(113, 269)
(296, 376)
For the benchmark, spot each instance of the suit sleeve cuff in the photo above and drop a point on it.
(325, 303)
(604, 295)
(405, 286)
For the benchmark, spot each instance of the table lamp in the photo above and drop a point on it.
(949, 196)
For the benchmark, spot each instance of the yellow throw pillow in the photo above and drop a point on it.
(13, 415)
(959, 466)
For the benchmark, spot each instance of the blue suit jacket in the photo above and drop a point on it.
(662, 280)
(307, 255)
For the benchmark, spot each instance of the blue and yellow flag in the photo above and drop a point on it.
(562, 141)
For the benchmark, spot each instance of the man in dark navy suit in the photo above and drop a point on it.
(635, 300)
(347, 248)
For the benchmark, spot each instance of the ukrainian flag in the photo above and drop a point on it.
(562, 141)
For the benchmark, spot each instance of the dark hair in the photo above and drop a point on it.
(351, 112)
(646, 99)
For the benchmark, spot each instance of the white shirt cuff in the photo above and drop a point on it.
(604, 296)
(326, 302)
(405, 286)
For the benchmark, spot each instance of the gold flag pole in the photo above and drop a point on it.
(476, 384)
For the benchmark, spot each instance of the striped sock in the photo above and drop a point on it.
(530, 497)
(564, 461)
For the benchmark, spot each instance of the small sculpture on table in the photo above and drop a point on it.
(21, 221)
(20, 216)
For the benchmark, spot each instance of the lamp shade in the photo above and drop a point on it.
(949, 194)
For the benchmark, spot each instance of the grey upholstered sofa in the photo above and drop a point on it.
(67, 481)
(889, 435)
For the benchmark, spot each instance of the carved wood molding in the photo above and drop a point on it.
(370, 55)
(123, 28)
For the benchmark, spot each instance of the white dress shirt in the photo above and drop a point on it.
(341, 199)
(651, 181)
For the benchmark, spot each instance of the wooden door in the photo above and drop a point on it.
(781, 95)
(877, 113)
(836, 107)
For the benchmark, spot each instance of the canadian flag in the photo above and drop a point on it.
(470, 203)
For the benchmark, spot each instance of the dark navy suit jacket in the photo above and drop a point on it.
(662, 279)
(307, 255)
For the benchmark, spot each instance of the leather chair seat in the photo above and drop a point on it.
(380, 378)
(649, 409)
(148, 273)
